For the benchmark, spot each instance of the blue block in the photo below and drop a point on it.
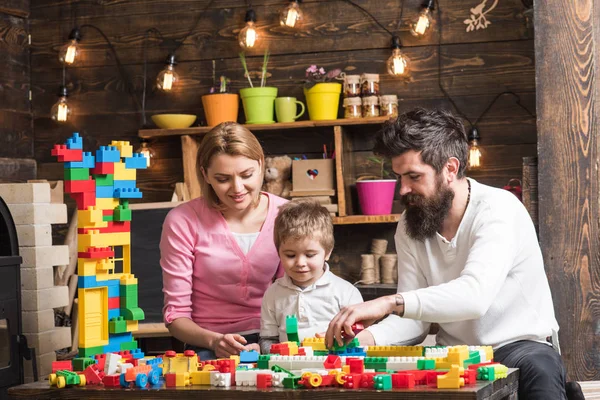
(114, 313)
(248, 356)
(75, 142)
(84, 282)
(128, 193)
(108, 154)
(87, 162)
(124, 184)
(137, 161)
(118, 338)
(105, 192)
(113, 287)
(112, 348)
(137, 353)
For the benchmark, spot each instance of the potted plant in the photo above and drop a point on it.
(322, 95)
(220, 105)
(258, 102)
(376, 192)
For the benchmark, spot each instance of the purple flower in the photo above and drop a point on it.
(321, 70)
(312, 68)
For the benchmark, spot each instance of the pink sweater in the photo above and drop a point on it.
(206, 276)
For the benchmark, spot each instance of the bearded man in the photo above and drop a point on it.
(468, 260)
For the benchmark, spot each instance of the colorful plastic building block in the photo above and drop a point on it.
(63, 378)
(61, 365)
(383, 382)
(249, 356)
(291, 328)
(136, 161)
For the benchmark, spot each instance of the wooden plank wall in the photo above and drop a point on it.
(16, 124)
(475, 67)
(569, 205)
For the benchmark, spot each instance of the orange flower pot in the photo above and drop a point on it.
(220, 107)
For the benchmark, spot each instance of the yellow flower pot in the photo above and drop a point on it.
(323, 100)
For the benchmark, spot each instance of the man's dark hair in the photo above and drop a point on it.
(437, 134)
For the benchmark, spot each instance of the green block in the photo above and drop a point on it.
(263, 361)
(320, 353)
(291, 328)
(81, 363)
(382, 382)
(107, 218)
(90, 351)
(77, 174)
(486, 373)
(117, 325)
(376, 363)
(474, 358)
(132, 314)
(425, 364)
(104, 180)
(291, 382)
(277, 368)
(128, 290)
(129, 296)
(129, 345)
(122, 213)
(71, 378)
(354, 343)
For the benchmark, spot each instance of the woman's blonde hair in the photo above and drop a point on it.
(226, 138)
(302, 219)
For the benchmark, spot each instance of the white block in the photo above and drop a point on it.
(44, 299)
(27, 214)
(277, 380)
(402, 363)
(34, 235)
(111, 363)
(246, 378)
(44, 365)
(44, 256)
(37, 278)
(49, 341)
(222, 379)
(38, 321)
(20, 193)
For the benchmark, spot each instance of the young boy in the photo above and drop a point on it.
(303, 236)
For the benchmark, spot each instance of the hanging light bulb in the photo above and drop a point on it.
(168, 77)
(422, 25)
(291, 15)
(68, 53)
(248, 35)
(60, 110)
(474, 150)
(398, 65)
(147, 151)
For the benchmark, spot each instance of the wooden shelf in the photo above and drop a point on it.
(154, 133)
(366, 219)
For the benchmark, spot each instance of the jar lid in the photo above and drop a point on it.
(370, 77)
(388, 98)
(352, 101)
(370, 101)
(352, 78)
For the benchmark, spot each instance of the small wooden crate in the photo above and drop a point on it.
(312, 175)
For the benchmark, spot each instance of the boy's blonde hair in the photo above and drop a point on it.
(304, 219)
(226, 138)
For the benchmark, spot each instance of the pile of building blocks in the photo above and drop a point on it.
(34, 213)
(102, 184)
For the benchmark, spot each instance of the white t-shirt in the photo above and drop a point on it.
(245, 240)
(314, 307)
(487, 286)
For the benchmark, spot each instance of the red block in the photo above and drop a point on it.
(357, 365)
(332, 361)
(96, 253)
(403, 381)
(420, 376)
(352, 381)
(103, 168)
(117, 226)
(111, 380)
(64, 365)
(114, 302)
(84, 199)
(483, 364)
(93, 376)
(101, 360)
(432, 377)
(470, 376)
(280, 348)
(81, 186)
(65, 154)
(367, 380)
(171, 380)
(107, 212)
(264, 381)
(301, 352)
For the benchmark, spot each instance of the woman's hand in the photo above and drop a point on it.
(252, 346)
(228, 344)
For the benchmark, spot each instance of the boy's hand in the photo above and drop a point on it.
(253, 346)
(228, 344)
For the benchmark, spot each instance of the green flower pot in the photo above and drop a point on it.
(259, 104)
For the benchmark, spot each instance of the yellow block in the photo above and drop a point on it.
(93, 317)
(236, 358)
(107, 204)
(97, 239)
(124, 174)
(124, 147)
(315, 343)
(395, 351)
(132, 326)
(182, 379)
(452, 379)
(90, 218)
(127, 279)
(200, 378)
(86, 267)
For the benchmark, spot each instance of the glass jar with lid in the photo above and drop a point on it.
(388, 105)
(370, 106)
(352, 86)
(370, 84)
(352, 107)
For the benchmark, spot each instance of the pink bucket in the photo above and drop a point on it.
(376, 197)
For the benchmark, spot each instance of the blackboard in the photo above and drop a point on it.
(146, 227)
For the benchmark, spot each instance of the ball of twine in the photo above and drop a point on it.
(379, 246)
(388, 265)
(367, 269)
(377, 268)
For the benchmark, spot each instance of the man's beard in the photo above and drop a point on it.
(425, 216)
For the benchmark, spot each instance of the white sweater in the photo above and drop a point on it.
(485, 287)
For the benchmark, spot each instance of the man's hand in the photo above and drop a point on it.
(366, 313)
(228, 344)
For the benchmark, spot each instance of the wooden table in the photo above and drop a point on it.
(501, 389)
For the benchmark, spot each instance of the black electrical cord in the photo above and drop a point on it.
(196, 22)
(373, 18)
(145, 56)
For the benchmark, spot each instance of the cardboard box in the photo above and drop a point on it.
(312, 175)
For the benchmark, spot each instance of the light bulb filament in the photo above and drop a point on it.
(168, 80)
(399, 65)
(61, 114)
(422, 24)
(70, 55)
(292, 15)
(250, 37)
(474, 157)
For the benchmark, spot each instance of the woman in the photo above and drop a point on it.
(217, 251)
